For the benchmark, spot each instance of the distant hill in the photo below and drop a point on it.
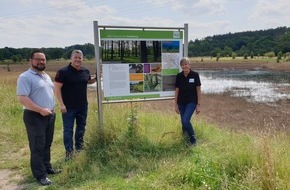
(241, 43)
(249, 43)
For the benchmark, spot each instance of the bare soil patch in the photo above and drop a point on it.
(214, 65)
(237, 114)
(9, 180)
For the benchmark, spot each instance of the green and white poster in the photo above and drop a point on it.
(140, 63)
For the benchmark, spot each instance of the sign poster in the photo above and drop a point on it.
(140, 64)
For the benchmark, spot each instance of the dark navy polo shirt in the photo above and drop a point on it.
(74, 89)
(187, 87)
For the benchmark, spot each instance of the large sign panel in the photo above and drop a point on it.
(140, 63)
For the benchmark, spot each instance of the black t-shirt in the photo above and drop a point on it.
(187, 87)
(74, 89)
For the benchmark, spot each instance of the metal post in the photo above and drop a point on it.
(98, 74)
(185, 48)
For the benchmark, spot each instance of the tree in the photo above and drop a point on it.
(270, 54)
(243, 51)
(15, 59)
(252, 55)
(279, 56)
(1, 54)
(218, 56)
(227, 51)
(144, 52)
(216, 51)
(156, 51)
(233, 55)
(287, 56)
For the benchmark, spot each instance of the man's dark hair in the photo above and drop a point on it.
(35, 51)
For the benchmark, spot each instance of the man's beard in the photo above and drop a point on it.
(39, 67)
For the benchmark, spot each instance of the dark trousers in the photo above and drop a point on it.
(40, 131)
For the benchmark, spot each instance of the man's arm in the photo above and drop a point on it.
(57, 92)
(92, 81)
(198, 90)
(175, 100)
(30, 105)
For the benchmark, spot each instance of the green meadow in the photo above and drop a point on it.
(142, 148)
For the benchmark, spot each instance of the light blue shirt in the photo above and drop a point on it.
(37, 87)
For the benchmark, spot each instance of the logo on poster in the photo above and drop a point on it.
(176, 34)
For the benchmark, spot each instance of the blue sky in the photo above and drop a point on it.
(61, 23)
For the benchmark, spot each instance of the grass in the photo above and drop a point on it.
(141, 148)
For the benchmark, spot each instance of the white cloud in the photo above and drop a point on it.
(66, 22)
(212, 7)
(271, 13)
(199, 30)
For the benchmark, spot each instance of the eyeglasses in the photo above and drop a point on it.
(39, 59)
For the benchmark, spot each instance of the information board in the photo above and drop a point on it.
(138, 64)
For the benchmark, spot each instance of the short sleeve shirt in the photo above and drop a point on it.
(74, 89)
(37, 87)
(187, 87)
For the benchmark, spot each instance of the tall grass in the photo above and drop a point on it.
(141, 148)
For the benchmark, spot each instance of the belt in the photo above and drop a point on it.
(30, 111)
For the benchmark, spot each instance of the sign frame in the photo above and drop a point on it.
(104, 32)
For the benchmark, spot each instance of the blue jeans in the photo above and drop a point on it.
(80, 116)
(186, 112)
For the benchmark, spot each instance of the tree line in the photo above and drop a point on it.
(20, 54)
(249, 43)
(268, 42)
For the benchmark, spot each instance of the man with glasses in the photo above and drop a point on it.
(35, 93)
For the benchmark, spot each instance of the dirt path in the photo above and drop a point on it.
(9, 180)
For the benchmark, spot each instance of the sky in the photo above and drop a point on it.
(62, 23)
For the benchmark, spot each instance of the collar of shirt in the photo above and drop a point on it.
(74, 69)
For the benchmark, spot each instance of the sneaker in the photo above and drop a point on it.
(68, 155)
(44, 181)
(53, 171)
(192, 144)
(78, 150)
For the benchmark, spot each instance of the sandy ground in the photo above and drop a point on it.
(224, 111)
(236, 114)
(242, 65)
(9, 180)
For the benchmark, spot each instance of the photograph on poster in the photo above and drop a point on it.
(129, 51)
(170, 47)
(152, 83)
(156, 67)
(136, 68)
(170, 60)
(136, 86)
(147, 68)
